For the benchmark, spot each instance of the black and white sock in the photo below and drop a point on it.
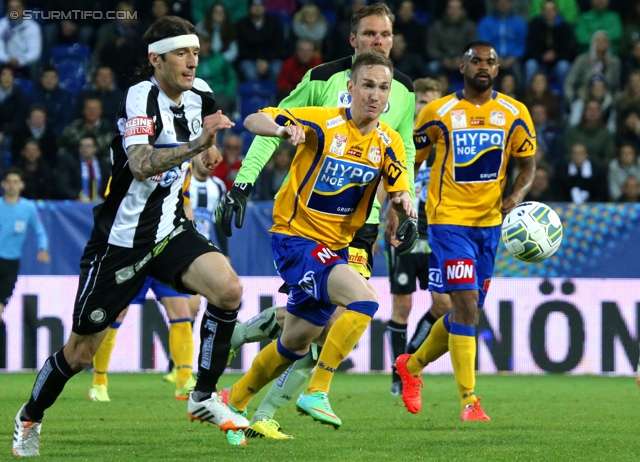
(422, 332)
(396, 334)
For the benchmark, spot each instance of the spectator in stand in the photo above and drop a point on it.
(91, 122)
(222, 32)
(407, 25)
(260, 44)
(592, 133)
(568, 9)
(35, 127)
(446, 37)
(283, 6)
(629, 127)
(508, 34)
(539, 92)
(476, 10)
(83, 176)
(158, 9)
(631, 30)
(597, 91)
(103, 88)
(506, 83)
(598, 18)
(65, 31)
(629, 98)
(310, 24)
(445, 84)
(20, 41)
(13, 106)
(296, 66)
(631, 62)
(120, 45)
(581, 179)
(598, 60)
(630, 192)
(407, 62)
(272, 176)
(38, 177)
(235, 9)
(219, 74)
(550, 44)
(227, 170)
(335, 46)
(623, 166)
(541, 190)
(152, 9)
(56, 100)
(547, 132)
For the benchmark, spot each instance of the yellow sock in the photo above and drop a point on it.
(463, 358)
(181, 349)
(434, 346)
(266, 366)
(103, 356)
(343, 336)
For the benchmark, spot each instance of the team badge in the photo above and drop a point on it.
(338, 144)
(98, 315)
(458, 118)
(195, 126)
(497, 118)
(374, 155)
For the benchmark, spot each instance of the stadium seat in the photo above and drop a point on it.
(285, 19)
(422, 17)
(331, 16)
(72, 62)
(253, 96)
(25, 85)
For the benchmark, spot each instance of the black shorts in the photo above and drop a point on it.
(404, 270)
(111, 276)
(361, 249)
(8, 277)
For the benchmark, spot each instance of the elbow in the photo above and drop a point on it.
(248, 122)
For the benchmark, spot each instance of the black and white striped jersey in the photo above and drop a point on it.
(205, 197)
(137, 213)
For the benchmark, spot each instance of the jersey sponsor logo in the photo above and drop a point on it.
(460, 271)
(477, 154)
(374, 155)
(195, 126)
(476, 121)
(459, 118)
(435, 277)
(447, 106)
(497, 118)
(514, 110)
(485, 286)
(359, 261)
(335, 122)
(393, 173)
(354, 153)
(344, 99)
(324, 255)
(167, 178)
(139, 125)
(384, 136)
(340, 186)
(338, 144)
(20, 226)
(420, 140)
(526, 146)
(308, 284)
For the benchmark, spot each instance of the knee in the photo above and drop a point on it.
(79, 356)
(231, 294)
(441, 306)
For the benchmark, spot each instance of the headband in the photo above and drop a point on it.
(173, 43)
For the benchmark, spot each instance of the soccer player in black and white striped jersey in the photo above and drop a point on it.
(141, 230)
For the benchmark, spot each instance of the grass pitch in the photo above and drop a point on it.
(551, 418)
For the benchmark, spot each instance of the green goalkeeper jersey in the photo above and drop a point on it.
(326, 85)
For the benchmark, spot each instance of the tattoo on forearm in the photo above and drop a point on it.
(147, 160)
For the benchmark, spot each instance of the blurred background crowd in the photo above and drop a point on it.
(574, 63)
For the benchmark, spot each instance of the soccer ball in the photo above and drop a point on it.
(532, 232)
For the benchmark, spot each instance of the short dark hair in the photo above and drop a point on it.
(37, 107)
(370, 58)
(377, 9)
(477, 43)
(164, 27)
(426, 84)
(48, 68)
(12, 171)
(89, 135)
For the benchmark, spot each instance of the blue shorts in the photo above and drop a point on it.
(159, 290)
(305, 266)
(462, 258)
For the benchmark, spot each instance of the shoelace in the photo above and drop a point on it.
(417, 384)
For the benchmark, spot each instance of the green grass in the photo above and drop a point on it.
(554, 418)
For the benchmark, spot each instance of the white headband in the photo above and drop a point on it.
(173, 43)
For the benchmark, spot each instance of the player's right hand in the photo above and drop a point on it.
(233, 203)
(211, 125)
(407, 235)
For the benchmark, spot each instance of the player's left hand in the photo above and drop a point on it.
(404, 205)
(233, 203)
(508, 204)
(407, 235)
(211, 157)
(43, 256)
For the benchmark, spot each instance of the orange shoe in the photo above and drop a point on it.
(474, 412)
(411, 395)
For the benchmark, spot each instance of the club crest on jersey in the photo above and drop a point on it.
(195, 126)
(338, 144)
(139, 125)
(340, 186)
(344, 99)
(477, 154)
(374, 155)
(458, 118)
(460, 271)
(497, 118)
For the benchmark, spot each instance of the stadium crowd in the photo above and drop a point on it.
(574, 63)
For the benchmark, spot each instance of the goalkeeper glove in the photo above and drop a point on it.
(234, 202)
(407, 234)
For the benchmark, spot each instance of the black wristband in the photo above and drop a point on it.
(244, 188)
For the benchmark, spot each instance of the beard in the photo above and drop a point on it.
(477, 85)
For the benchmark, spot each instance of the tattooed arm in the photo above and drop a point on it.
(145, 161)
